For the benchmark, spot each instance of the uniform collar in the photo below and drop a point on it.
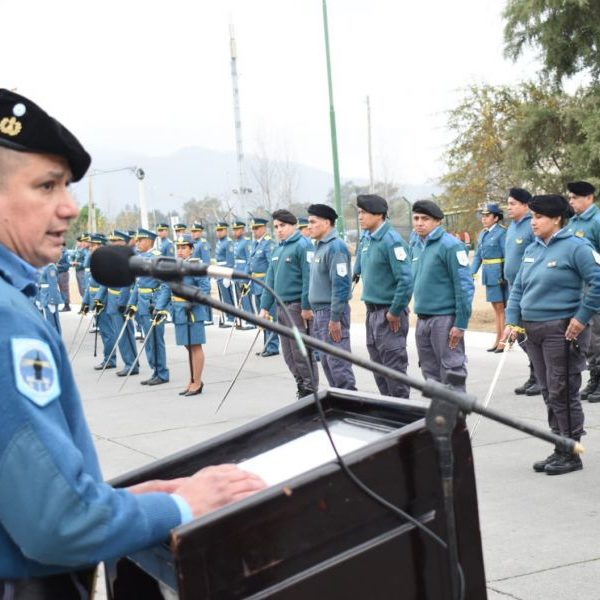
(588, 213)
(293, 238)
(380, 231)
(523, 218)
(331, 236)
(560, 234)
(19, 273)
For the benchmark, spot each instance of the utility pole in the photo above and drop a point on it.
(371, 182)
(336, 169)
(242, 189)
(91, 206)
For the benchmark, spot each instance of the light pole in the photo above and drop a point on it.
(336, 170)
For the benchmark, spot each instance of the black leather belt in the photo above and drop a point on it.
(292, 301)
(425, 317)
(373, 307)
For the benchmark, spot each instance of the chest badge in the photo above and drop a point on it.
(551, 264)
(580, 233)
(519, 241)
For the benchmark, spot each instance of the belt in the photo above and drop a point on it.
(258, 274)
(240, 261)
(114, 292)
(177, 299)
(286, 302)
(147, 290)
(87, 269)
(492, 261)
(94, 289)
(44, 285)
(425, 317)
(372, 307)
(221, 262)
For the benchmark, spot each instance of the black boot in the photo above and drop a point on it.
(591, 389)
(540, 465)
(533, 390)
(565, 463)
(522, 389)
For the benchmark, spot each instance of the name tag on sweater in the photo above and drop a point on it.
(310, 256)
(529, 259)
(551, 264)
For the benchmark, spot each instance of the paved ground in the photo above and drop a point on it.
(539, 533)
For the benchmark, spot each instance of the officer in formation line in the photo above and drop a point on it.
(202, 253)
(49, 297)
(189, 319)
(330, 292)
(58, 516)
(586, 224)
(165, 245)
(261, 252)
(241, 257)
(384, 264)
(78, 260)
(63, 265)
(490, 254)
(518, 236)
(289, 275)
(224, 256)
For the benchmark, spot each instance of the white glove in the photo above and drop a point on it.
(52, 308)
(226, 282)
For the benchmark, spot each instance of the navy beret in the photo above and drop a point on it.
(285, 216)
(324, 211)
(372, 203)
(551, 205)
(520, 194)
(428, 207)
(25, 127)
(581, 188)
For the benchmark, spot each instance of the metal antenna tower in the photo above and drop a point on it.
(242, 189)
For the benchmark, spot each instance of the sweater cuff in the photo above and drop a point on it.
(185, 510)
(162, 514)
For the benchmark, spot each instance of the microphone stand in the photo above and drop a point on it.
(440, 419)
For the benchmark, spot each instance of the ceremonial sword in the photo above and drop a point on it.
(76, 332)
(137, 358)
(88, 330)
(239, 305)
(258, 332)
(114, 348)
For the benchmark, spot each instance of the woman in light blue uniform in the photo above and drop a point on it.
(490, 254)
(189, 318)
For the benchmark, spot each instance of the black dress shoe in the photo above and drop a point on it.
(157, 381)
(195, 392)
(184, 393)
(266, 353)
(493, 349)
(65, 308)
(226, 324)
(101, 366)
(146, 381)
(533, 390)
(565, 463)
(123, 372)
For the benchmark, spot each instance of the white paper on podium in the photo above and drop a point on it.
(310, 450)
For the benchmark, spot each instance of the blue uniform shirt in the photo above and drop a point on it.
(166, 247)
(490, 253)
(330, 276)
(260, 259)
(56, 513)
(149, 293)
(518, 236)
(202, 250)
(549, 284)
(48, 283)
(442, 281)
(587, 225)
(224, 253)
(241, 254)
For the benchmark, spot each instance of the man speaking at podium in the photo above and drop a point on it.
(57, 516)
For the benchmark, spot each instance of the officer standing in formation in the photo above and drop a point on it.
(329, 293)
(117, 300)
(547, 299)
(149, 300)
(289, 275)
(260, 259)
(225, 258)
(189, 318)
(518, 236)
(202, 253)
(387, 288)
(490, 254)
(63, 265)
(49, 297)
(78, 261)
(304, 228)
(165, 245)
(443, 291)
(57, 515)
(241, 257)
(586, 224)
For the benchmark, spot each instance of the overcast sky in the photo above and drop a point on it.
(153, 77)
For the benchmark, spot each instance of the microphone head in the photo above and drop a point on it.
(110, 266)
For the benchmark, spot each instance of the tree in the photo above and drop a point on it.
(565, 32)
(80, 225)
(201, 210)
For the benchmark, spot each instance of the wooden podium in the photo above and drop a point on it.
(313, 534)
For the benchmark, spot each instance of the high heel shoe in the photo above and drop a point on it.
(184, 393)
(492, 349)
(195, 392)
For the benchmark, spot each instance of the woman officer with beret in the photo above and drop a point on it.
(555, 294)
(189, 320)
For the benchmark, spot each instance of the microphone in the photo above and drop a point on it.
(118, 266)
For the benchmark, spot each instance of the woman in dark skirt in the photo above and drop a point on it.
(189, 318)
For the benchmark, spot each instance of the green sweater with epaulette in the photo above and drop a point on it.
(289, 271)
(385, 269)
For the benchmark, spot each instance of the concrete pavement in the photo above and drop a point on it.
(539, 533)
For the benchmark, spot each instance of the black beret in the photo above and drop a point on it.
(427, 207)
(520, 194)
(323, 211)
(285, 216)
(372, 203)
(581, 188)
(25, 127)
(551, 205)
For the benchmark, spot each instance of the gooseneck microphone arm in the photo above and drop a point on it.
(429, 388)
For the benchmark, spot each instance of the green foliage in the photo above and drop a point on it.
(80, 224)
(565, 32)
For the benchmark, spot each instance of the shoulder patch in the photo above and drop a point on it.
(400, 253)
(596, 256)
(341, 269)
(35, 371)
(462, 258)
(310, 254)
